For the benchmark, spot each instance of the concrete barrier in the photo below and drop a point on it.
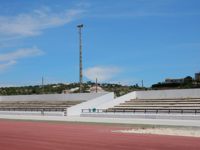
(91, 104)
(117, 101)
(168, 94)
(144, 116)
(53, 97)
(33, 113)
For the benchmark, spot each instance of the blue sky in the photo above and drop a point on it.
(124, 41)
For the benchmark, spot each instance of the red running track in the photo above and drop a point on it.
(25, 135)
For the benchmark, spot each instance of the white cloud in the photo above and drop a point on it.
(101, 73)
(32, 24)
(21, 53)
(9, 59)
(7, 65)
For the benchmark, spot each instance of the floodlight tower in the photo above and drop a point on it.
(80, 57)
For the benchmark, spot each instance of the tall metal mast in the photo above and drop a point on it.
(80, 55)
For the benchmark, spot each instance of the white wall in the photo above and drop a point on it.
(33, 113)
(117, 100)
(161, 94)
(94, 103)
(52, 97)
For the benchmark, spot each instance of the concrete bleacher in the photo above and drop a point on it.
(46, 103)
(180, 104)
(37, 105)
(173, 105)
(156, 101)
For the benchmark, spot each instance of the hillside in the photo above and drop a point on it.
(60, 87)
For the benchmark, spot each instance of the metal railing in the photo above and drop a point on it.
(32, 109)
(145, 111)
(42, 110)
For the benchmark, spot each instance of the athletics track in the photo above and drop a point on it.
(27, 135)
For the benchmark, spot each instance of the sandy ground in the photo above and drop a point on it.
(192, 132)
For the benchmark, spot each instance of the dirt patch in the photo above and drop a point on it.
(192, 132)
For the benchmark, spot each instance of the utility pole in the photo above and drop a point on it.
(142, 84)
(96, 85)
(80, 57)
(42, 85)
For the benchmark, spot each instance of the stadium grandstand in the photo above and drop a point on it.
(183, 101)
(152, 104)
(41, 104)
(175, 105)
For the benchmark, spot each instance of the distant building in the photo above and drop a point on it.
(70, 90)
(181, 80)
(95, 89)
(197, 76)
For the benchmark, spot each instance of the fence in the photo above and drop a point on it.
(156, 111)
